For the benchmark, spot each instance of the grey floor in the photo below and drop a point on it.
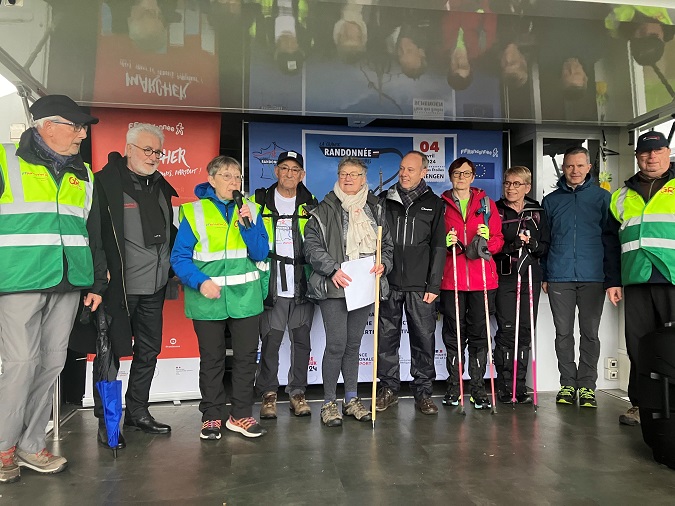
(561, 455)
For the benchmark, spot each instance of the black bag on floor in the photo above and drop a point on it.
(656, 387)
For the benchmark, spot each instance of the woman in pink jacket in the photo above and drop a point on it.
(474, 228)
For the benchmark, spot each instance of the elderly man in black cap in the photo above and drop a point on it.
(644, 207)
(47, 216)
(286, 305)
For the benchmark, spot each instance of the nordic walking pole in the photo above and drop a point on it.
(489, 337)
(378, 260)
(460, 350)
(533, 339)
(517, 330)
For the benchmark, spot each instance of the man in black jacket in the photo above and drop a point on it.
(138, 232)
(415, 217)
(285, 217)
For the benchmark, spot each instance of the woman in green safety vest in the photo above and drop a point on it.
(220, 256)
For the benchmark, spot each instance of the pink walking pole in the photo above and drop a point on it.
(515, 351)
(489, 338)
(533, 338)
(460, 350)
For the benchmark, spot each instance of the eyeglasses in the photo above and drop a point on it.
(149, 151)
(514, 184)
(658, 151)
(457, 174)
(285, 169)
(353, 175)
(229, 177)
(76, 126)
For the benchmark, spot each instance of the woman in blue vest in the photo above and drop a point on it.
(344, 227)
(219, 255)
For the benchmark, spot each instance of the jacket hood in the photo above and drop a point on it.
(205, 191)
(633, 181)
(562, 183)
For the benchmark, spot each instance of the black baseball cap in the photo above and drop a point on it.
(61, 105)
(651, 140)
(291, 155)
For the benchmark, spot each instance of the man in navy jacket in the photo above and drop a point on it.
(581, 265)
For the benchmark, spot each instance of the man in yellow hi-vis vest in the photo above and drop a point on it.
(47, 216)
(645, 207)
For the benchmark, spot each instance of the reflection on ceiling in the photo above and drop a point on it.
(537, 61)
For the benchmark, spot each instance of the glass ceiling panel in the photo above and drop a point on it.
(537, 61)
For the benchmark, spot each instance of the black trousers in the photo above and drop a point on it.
(273, 323)
(421, 319)
(472, 331)
(146, 325)
(647, 308)
(212, 349)
(505, 340)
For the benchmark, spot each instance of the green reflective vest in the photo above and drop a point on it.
(221, 254)
(626, 13)
(40, 222)
(647, 233)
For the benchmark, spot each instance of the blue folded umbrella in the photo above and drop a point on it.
(111, 398)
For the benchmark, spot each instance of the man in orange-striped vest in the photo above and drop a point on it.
(47, 216)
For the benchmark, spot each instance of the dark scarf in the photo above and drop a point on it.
(153, 220)
(60, 161)
(409, 196)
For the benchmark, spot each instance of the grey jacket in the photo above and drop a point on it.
(324, 246)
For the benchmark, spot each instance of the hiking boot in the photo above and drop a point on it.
(481, 401)
(385, 398)
(504, 397)
(42, 462)
(330, 416)
(587, 398)
(356, 409)
(451, 397)
(9, 470)
(524, 398)
(269, 405)
(248, 426)
(631, 417)
(566, 395)
(299, 405)
(210, 430)
(426, 406)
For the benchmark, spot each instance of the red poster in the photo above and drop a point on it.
(191, 141)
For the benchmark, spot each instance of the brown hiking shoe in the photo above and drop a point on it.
(385, 398)
(42, 462)
(9, 470)
(269, 405)
(299, 405)
(356, 409)
(330, 415)
(631, 417)
(427, 406)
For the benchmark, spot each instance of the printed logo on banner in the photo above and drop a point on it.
(440, 354)
(494, 152)
(180, 370)
(267, 157)
(485, 170)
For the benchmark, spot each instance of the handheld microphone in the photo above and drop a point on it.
(238, 200)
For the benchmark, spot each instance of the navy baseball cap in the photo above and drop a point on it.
(651, 140)
(291, 155)
(61, 105)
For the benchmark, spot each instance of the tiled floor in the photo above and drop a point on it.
(560, 455)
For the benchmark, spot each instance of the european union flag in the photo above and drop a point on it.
(485, 170)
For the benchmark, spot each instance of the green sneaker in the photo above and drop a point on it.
(587, 398)
(566, 395)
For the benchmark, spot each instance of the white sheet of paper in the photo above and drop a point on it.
(361, 290)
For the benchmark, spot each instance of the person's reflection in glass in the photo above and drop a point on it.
(350, 33)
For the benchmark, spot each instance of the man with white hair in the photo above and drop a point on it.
(137, 235)
(49, 250)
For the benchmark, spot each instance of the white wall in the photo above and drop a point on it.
(11, 111)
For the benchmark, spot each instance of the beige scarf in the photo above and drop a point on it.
(361, 237)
